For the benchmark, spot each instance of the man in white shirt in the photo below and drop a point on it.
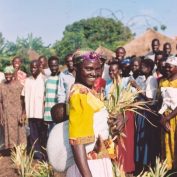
(33, 94)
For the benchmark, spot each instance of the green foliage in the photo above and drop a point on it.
(20, 48)
(92, 33)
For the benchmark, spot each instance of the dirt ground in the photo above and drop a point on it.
(7, 170)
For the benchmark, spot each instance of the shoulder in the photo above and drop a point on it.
(79, 89)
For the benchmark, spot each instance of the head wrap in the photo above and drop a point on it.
(172, 60)
(91, 55)
(9, 69)
(125, 61)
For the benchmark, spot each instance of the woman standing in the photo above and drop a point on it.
(82, 131)
(11, 118)
(146, 138)
(169, 119)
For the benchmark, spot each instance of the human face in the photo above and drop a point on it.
(158, 58)
(8, 77)
(34, 67)
(69, 63)
(16, 63)
(170, 70)
(161, 67)
(155, 46)
(167, 49)
(144, 69)
(126, 70)
(120, 54)
(135, 67)
(43, 63)
(53, 65)
(89, 71)
(113, 71)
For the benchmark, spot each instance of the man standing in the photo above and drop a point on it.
(51, 88)
(155, 44)
(66, 80)
(33, 98)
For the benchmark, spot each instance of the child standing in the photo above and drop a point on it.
(33, 93)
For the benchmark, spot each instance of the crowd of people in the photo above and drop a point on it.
(31, 105)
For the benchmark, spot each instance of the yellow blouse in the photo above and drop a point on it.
(167, 83)
(82, 106)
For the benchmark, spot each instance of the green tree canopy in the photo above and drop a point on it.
(91, 33)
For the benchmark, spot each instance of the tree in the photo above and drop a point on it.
(91, 33)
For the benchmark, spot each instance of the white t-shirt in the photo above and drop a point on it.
(33, 92)
(151, 87)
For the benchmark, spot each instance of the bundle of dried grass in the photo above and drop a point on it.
(122, 100)
(25, 166)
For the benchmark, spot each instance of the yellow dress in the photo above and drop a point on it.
(82, 106)
(169, 140)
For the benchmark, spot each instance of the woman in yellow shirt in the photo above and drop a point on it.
(169, 120)
(83, 107)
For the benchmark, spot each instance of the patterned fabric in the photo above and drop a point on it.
(83, 104)
(21, 76)
(169, 142)
(11, 113)
(51, 88)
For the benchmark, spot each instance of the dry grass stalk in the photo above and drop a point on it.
(25, 166)
(160, 170)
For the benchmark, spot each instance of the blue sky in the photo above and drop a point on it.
(48, 18)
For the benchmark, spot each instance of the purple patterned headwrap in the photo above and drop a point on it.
(86, 56)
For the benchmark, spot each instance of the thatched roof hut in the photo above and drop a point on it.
(108, 54)
(32, 54)
(142, 45)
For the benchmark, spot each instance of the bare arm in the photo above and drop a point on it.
(165, 119)
(81, 160)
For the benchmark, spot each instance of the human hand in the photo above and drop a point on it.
(22, 120)
(117, 124)
(133, 83)
(165, 123)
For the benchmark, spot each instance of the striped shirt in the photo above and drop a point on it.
(51, 89)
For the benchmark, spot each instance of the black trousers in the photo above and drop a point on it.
(37, 138)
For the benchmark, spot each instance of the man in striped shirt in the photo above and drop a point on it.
(51, 89)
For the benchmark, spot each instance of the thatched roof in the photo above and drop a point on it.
(32, 54)
(142, 45)
(105, 52)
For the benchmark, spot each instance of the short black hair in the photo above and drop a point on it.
(67, 56)
(138, 59)
(121, 48)
(53, 58)
(42, 56)
(16, 58)
(148, 63)
(167, 43)
(55, 112)
(155, 40)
